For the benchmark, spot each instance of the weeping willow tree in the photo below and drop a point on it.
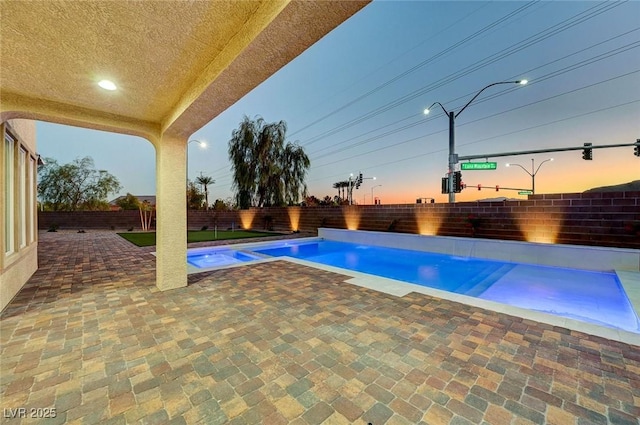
(266, 170)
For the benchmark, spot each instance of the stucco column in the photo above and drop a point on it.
(171, 210)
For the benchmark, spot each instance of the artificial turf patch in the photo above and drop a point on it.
(149, 238)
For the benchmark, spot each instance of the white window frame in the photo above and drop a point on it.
(32, 210)
(9, 192)
(22, 197)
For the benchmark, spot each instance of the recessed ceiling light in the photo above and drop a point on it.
(107, 85)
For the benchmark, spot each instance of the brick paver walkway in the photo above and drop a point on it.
(276, 343)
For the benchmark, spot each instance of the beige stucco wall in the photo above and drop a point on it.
(17, 267)
(17, 274)
(26, 131)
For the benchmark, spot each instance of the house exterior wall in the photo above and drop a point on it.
(18, 214)
(600, 219)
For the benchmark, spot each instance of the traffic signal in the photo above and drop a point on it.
(587, 152)
(457, 181)
(359, 181)
(445, 185)
(636, 149)
(497, 188)
(479, 187)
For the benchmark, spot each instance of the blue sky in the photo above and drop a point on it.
(354, 101)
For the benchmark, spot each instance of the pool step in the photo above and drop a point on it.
(476, 287)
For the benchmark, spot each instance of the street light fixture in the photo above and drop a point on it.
(372, 198)
(453, 157)
(532, 173)
(202, 145)
(200, 142)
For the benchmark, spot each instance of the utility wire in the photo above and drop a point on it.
(485, 139)
(553, 74)
(471, 122)
(528, 42)
(458, 126)
(596, 12)
(419, 65)
(361, 78)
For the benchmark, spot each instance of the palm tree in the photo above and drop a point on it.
(345, 185)
(337, 185)
(341, 185)
(205, 181)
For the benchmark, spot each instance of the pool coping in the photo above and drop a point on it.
(630, 281)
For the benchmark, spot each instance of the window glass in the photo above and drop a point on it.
(22, 199)
(31, 210)
(8, 194)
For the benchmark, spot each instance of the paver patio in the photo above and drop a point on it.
(275, 343)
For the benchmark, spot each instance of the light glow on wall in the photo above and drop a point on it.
(427, 220)
(246, 217)
(294, 218)
(539, 226)
(352, 217)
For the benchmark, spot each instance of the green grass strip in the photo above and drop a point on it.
(149, 238)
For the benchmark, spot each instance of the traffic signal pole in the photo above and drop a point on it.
(576, 148)
(452, 155)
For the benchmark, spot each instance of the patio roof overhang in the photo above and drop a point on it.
(177, 64)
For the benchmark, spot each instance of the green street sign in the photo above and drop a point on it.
(525, 192)
(478, 165)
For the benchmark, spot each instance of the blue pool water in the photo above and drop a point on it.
(595, 297)
(218, 258)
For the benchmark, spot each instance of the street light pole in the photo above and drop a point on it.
(452, 155)
(532, 173)
(373, 187)
(453, 158)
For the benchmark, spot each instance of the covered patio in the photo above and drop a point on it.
(173, 67)
(92, 336)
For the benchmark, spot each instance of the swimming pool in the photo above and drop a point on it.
(210, 258)
(588, 296)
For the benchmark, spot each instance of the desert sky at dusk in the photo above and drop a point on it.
(354, 101)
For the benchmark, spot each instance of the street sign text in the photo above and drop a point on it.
(478, 165)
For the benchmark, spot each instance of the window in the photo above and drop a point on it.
(8, 194)
(31, 211)
(22, 199)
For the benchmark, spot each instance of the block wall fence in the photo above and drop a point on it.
(603, 219)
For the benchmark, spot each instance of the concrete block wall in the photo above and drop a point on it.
(600, 219)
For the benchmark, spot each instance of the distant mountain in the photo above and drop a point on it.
(633, 186)
(499, 199)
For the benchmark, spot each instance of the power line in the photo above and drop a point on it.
(483, 140)
(514, 48)
(553, 74)
(501, 93)
(360, 78)
(467, 123)
(576, 65)
(418, 66)
(422, 121)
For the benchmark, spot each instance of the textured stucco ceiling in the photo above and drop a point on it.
(177, 64)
